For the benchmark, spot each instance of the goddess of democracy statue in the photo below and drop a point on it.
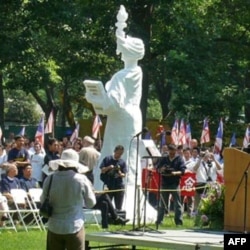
(121, 103)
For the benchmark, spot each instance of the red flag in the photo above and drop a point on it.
(175, 132)
(96, 126)
(49, 125)
(182, 133)
(205, 135)
(40, 131)
(75, 134)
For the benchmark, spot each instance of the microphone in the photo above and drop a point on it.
(144, 130)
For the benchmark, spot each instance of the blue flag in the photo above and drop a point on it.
(233, 140)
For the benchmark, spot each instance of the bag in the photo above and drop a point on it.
(46, 209)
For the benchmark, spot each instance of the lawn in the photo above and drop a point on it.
(36, 240)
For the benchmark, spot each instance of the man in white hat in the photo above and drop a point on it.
(68, 192)
(89, 156)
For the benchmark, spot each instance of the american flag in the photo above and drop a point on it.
(163, 138)
(75, 134)
(205, 135)
(182, 133)
(96, 126)
(175, 132)
(40, 131)
(22, 132)
(233, 140)
(188, 135)
(1, 133)
(218, 139)
(50, 123)
(246, 140)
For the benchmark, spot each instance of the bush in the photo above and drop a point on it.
(211, 209)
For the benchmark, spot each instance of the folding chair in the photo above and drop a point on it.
(26, 213)
(92, 216)
(34, 195)
(4, 209)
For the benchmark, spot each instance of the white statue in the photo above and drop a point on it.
(121, 104)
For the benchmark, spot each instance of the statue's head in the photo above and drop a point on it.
(130, 47)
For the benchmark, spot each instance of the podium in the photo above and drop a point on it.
(235, 164)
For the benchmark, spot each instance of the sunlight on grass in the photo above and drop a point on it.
(36, 240)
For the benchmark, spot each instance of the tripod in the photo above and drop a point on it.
(148, 177)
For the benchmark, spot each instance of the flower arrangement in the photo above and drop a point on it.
(211, 208)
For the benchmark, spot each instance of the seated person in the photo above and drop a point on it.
(27, 181)
(103, 203)
(10, 182)
(3, 207)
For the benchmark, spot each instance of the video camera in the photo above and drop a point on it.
(209, 179)
(114, 171)
(168, 170)
(209, 163)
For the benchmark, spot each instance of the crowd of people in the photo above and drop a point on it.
(22, 162)
(22, 165)
(177, 161)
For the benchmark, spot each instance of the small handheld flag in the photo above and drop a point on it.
(182, 133)
(40, 131)
(22, 132)
(96, 126)
(188, 135)
(175, 132)
(218, 139)
(75, 134)
(233, 140)
(49, 124)
(246, 139)
(205, 135)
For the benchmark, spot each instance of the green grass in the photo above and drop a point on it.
(36, 240)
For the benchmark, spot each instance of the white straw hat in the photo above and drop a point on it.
(69, 159)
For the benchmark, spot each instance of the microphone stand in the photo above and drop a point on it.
(134, 230)
(245, 175)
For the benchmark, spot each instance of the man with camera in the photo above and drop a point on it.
(171, 168)
(206, 172)
(113, 171)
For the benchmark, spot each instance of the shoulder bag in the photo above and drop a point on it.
(46, 209)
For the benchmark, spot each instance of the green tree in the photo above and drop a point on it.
(21, 108)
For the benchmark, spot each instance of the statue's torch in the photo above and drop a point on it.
(121, 17)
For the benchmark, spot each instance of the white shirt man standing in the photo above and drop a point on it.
(37, 162)
(89, 157)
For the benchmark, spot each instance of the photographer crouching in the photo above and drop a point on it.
(171, 168)
(206, 172)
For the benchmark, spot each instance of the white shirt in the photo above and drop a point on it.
(37, 161)
(3, 159)
(189, 164)
(68, 192)
(203, 172)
